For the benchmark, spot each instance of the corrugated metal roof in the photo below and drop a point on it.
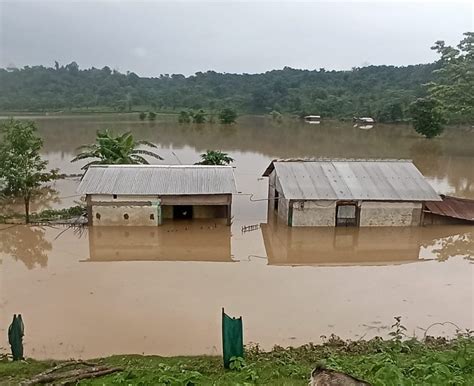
(158, 180)
(460, 208)
(380, 180)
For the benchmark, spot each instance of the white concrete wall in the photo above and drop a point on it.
(114, 215)
(314, 213)
(390, 214)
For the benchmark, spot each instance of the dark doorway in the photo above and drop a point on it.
(347, 215)
(277, 198)
(182, 212)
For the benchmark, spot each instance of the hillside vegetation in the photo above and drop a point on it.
(384, 92)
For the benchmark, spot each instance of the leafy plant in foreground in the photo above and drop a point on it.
(120, 149)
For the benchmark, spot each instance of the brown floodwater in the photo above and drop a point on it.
(102, 291)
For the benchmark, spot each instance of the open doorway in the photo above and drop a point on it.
(277, 198)
(347, 215)
(182, 212)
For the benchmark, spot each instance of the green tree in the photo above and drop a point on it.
(22, 169)
(227, 116)
(276, 116)
(184, 117)
(120, 149)
(199, 117)
(215, 157)
(427, 117)
(454, 80)
(151, 116)
(142, 116)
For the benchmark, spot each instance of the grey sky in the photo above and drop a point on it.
(151, 38)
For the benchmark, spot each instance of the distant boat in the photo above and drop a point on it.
(366, 120)
(313, 119)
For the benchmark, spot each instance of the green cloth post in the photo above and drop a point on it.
(15, 337)
(232, 338)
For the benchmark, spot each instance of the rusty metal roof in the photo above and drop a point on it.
(378, 180)
(460, 208)
(158, 180)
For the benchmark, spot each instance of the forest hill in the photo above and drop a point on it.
(384, 92)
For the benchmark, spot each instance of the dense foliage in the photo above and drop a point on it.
(453, 84)
(215, 157)
(426, 116)
(119, 149)
(227, 116)
(383, 92)
(22, 170)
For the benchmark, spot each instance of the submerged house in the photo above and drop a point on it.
(143, 195)
(348, 192)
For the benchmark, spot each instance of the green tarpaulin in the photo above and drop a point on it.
(15, 337)
(232, 338)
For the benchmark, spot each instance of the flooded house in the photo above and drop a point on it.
(149, 195)
(337, 193)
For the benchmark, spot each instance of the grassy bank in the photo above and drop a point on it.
(381, 362)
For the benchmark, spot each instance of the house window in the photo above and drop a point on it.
(97, 216)
(152, 216)
(125, 216)
(347, 214)
(115, 196)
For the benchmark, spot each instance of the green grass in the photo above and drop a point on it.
(381, 362)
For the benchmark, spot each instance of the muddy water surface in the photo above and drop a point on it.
(112, 290)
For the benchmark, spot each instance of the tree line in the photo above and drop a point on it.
(384, 92)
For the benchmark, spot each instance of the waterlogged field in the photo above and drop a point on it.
(99, 292)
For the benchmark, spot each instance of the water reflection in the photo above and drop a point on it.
(25, 244)
(362, 246)
(45, 199)
(174, 241)
(456, 245)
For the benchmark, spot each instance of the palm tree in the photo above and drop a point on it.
(120, 149)
(215, 157)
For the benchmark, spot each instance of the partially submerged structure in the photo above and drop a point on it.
(451, 210)
(315, 119)
(142, 195)
(348, 192)
(366, 120)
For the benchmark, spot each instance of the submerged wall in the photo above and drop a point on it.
(314, 213)
(390, 213)
(323, 213)
(109, 210)
(125, 215)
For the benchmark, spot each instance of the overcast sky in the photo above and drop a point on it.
(157, 37)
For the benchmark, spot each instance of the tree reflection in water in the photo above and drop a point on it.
(46, 198)
(26, 244)
(456, 245)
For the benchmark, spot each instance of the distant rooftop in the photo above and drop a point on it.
(158, 180)
(351, 179)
